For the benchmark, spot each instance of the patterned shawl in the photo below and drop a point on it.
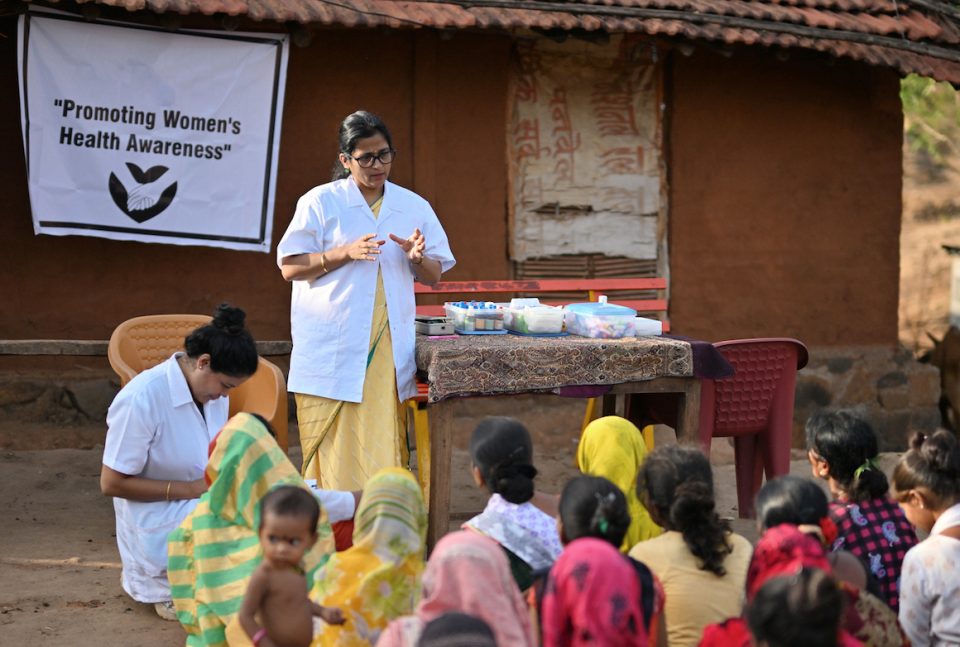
(216, 548)
(592, 597)
(377, 579)
(613, 447)
(522, 528)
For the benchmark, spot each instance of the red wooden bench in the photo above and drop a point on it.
(556, 292)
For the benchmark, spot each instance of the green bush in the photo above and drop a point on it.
(931, 113)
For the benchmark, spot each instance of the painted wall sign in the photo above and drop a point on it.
(137, 133)
(585, 167)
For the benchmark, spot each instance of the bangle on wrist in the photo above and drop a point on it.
(257, 637)
(169, 483)
(323, 264)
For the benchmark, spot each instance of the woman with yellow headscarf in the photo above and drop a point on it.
(378, 579)
(613, 447)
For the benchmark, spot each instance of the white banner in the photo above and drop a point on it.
(137, 133)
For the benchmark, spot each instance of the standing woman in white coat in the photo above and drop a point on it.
(353, 250)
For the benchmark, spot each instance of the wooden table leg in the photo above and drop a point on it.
(613, 405)
(688, 413)
(441, 451)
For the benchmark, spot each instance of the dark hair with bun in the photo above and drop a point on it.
(358, 125)
(592, 506)
(676, 484)
(791, 499)
(932, 464)
(797, 610)
(847, 442)
(230, 345)
(503, 451)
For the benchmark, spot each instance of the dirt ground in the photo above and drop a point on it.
(58, 555)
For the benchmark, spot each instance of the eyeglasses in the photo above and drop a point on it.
(367, 159)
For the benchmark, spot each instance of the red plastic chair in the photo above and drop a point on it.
(755, 407)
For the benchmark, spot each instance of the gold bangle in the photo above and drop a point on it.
(169, 483)
(323, 264)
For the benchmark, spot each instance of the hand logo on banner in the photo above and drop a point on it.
(146, 199)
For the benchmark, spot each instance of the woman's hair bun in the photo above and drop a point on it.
(229, 319)
(941, 453)
(514, 482)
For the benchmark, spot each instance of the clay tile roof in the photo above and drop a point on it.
(920, 36)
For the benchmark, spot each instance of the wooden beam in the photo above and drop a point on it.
(53, 347)
(98, 348)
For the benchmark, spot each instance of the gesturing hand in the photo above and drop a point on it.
(365, 248)
(413, 246)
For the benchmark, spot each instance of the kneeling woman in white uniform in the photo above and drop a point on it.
(158, 430)
(353, 250)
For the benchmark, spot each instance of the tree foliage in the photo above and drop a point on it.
(931, 113)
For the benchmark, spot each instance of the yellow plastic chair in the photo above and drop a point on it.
(143, 342)
(417, 407)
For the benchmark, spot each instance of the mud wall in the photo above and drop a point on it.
(444, 101)
(785, 180)
(784, 191)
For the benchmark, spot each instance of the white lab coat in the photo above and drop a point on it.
(155, 431)
(331, 317)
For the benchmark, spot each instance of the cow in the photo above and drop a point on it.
(945, 355)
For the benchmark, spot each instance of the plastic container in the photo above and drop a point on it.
(533, 319)
(648, 327)
(475, 317)
(600, 320)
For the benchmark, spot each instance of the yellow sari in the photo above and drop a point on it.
(215, 550)
(378, 579)
(613, 447)
(355, 439)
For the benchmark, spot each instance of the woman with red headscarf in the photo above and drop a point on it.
(592, 597)
(783, 551)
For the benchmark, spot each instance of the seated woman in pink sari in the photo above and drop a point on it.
(467, 572)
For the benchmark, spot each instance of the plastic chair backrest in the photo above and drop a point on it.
(143, 342)
(264, 393)
(763, 383)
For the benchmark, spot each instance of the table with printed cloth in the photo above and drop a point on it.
(501, 365)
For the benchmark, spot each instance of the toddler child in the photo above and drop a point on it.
(277, 611)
